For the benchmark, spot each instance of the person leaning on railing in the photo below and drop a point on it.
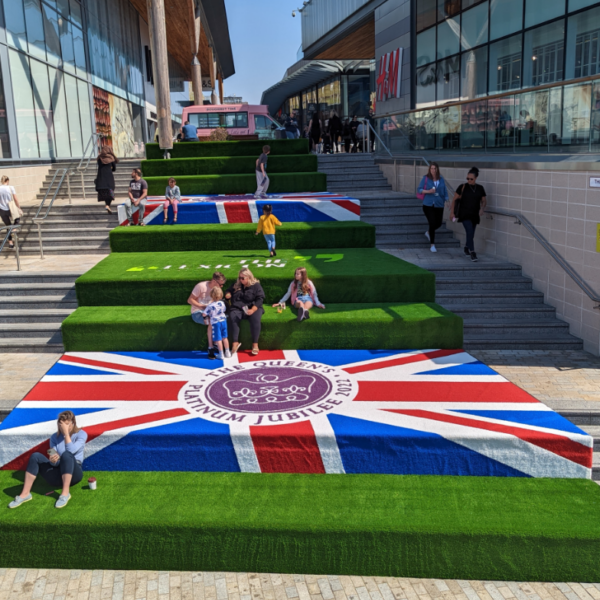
(9, 206)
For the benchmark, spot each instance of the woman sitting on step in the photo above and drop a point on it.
(303, 293)
(62, 468)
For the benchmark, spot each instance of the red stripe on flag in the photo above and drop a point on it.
(246, 356)
(405, 360)
(106, 365)
(441, 391)
(289, 448)
(348, 205)
(237, 212)
(105, 390)
(557, 444)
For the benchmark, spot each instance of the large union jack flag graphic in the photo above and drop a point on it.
(438, 412)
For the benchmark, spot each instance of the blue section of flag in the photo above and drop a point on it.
(70, 369)
(19, 417)
(196, 359)
(191, 213)
(368, 447)
(472, 368)
(295, 211)
(337, 358)
(538, 418)
(191, 445)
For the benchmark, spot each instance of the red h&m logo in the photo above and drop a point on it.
(389, 76)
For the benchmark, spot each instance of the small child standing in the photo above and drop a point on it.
(215, 311)
(172, 196)
(262, 179)
(267, 224)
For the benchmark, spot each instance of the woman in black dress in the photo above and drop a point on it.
(247, 297)
(315, 128)
(468, 206)
(105, 180)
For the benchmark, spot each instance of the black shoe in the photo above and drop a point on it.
(274, 253)
(307, 314)
(473, 257)
(211, 354)
(300, 314)
(466, 251)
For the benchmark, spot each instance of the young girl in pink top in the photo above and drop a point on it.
(303, 293)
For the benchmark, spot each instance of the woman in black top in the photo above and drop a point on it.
(105, 180)
(247, 297)
(468, 205)
(314, 130)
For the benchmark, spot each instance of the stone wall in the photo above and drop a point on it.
(27, 181)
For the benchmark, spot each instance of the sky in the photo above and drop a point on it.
(265, 39)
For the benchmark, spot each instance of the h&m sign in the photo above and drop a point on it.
(389, 75)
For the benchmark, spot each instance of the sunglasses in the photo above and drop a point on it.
(470, 178)
(243, 278)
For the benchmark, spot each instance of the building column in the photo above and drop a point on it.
(160, 61)
(221, 95)
(213, 77)
(195, 27)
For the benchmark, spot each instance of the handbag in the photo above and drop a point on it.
(15, 211)
(421, 195)
(457, 204)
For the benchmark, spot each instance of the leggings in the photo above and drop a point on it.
(347, 142)
(237, 315)
(174, 202)
(435, 216)
(470, 231)
(38, 463)
(5, 215)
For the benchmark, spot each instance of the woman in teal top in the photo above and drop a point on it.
(435, 195)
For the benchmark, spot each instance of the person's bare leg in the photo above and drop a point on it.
(226, 343)
(29, 479)
(66, 479)
(209, 335)
(220, 347)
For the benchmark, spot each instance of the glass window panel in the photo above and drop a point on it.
(538, 11)
(79, 49)
(426, 47)
(426, 14)
(583, 44)
(473, 125)
(474, 72)
(501, 123)
(23, 100)
(76, 13)
(468, 3)
(448, 8)
(595, 118)
(52, 3)
(544, 54)
(577, 102)
(73, 114)
(505, 65)
(59, 104)
(4, 138)
(475, 27)
(84, 111)
(15, 24)
(448, 38)
(426, 80)
(424, 130)
(43, 109)
(35, 28)
(52, 35)
(531, 111)
(66, 44)
(555, 117)
(447, 126)
(63, 7)
(579, 4)
(506, 17)
(448, 79)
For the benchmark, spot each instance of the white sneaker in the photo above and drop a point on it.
(219, 356)
(227, 354)
(427, 235)
(433, 249)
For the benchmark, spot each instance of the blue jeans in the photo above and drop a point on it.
(470, 231)
(67, 465)
(270, 239)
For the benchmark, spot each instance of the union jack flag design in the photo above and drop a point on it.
(289, 208)
(438, 412)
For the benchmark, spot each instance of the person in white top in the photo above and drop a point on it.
(7, 193)
(199, 299)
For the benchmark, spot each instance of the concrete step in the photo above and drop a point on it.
(350, 170)
(594, 431)
(71, 236)
(510, 328)
(69, 225)
(37, 289)
(35, 315)
(398, 225)
(408, 215)
(481, 283)
(350, 189)
(58, 250)
(33, 302)
(527, 342)
(408, 239)
(384, 203)
(62, 241)
(468, 269)
(500, 312)
(33, 277)
(508, 297)
(31, 330)
(353, 178)
(43, 344)
(390, 244)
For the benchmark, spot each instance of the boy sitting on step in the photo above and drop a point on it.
(215, 311)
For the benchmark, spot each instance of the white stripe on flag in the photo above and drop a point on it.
(244, 448)
(333, 210)
(330, 453)
(221, 212)
(253, 210)
(149, 217)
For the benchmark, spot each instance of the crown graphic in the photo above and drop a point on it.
(269, 389)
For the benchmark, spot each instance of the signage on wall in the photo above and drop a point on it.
(389, 75)
(595, 182)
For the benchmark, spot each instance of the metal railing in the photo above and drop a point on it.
(14, 231)
(90, 147)
(371, 128)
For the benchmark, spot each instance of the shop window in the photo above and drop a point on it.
(73, 115)
(35, 29)
(52, 35)
(448, 9)
(577, 101)
(426, 47)
(583, 44)
(84, 111)
(544, 54)
(506, 17)
(426, 13)
(66, 44)
(426, 82)
(531, 113)
(538, 11)
(448, 80)
(61, 119)
(505, 65)
(473, 125)
(43, 109)
(474, 31)
(23, 101)
(595, 118)
(579, 4)
(501, 123)
(448, 38)
(474, 72)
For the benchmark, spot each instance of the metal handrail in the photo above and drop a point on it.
(380, 140)
(10, 230)
(80, 168)
(571, 272)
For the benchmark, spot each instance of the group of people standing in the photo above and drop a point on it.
(331, 135)
(467, 206)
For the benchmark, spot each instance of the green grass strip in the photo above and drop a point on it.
(240, 184)
(227, 165)
(341, 275)
(442, 527)
(233, 148)
(240, 236)
(339, 326)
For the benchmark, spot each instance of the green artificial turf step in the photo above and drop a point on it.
(227, 165)
(341, 275)
(231, 148)
(294, 181)
(484, 528)
(339, 326)
(240, 236)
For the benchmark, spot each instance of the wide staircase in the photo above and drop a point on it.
(352, 173)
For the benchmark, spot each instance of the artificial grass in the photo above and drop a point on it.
(227, 165)
(240, 236)
(231, 148)
(380, 525)
(339, 326)
(341, 275)
(295, 181)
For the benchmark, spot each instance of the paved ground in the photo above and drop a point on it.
(52, 262)
(22, 584)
